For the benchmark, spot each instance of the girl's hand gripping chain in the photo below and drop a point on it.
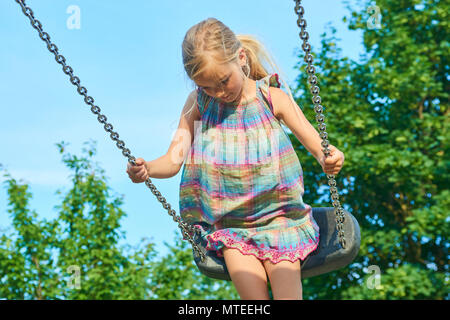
(334, 162)
(139, 172)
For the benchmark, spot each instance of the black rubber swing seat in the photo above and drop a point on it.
(329, 255)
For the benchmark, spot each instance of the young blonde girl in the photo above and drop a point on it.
(249, 211)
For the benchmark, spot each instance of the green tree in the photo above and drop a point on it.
(176, 276)
(389, 115)
(46, 257)
(41, 259)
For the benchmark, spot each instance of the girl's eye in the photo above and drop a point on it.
(223, 82)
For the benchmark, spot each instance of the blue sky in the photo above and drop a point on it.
(128, 56)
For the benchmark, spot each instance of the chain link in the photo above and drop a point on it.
(187, 230)
(314, 88)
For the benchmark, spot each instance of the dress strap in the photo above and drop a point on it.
(262, 88)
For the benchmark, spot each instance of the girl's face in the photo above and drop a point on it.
(230, 85)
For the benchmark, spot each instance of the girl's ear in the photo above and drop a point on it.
(242, 56)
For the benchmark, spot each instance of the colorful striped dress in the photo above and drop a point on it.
(242, 182)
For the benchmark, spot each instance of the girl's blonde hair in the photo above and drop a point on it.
(211, 42)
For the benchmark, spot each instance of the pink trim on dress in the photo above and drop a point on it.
(298, 252)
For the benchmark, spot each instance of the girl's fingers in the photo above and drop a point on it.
(137, 169)
(333, 163)
(136, 174)
(332, 169)
(143, 176)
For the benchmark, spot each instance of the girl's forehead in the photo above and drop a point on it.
(214, 75)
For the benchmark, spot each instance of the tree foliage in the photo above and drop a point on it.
(389, 115)
(77, 255)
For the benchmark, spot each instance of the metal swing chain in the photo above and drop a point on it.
(312, 79)
(186, 229)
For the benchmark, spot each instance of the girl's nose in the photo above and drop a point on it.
(220, 93)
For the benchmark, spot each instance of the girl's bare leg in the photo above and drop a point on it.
(248, 275)
(285, 279)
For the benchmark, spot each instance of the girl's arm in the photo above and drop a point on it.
(287, 110)
(161, 168)
(170, 164)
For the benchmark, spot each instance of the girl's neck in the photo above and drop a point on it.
(248, 91)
